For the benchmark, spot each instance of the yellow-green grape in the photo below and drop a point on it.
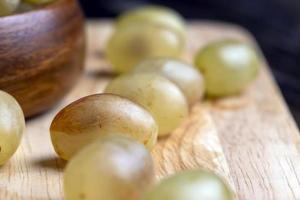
(39, 2)
(25, 7)
(12, 125)
(228, 66)
(155, 15)
(111, 168)
(7, 7)
(191, 185)
(185, 76)
(161, 97)
(93, 116)
(130, 45)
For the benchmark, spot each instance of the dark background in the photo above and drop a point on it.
(274, 23)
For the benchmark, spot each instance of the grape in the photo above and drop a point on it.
(12, 125)
(191, 185)
(160, 96)
(156, 15)
(25, 7)
(7, 7)
(131, 44)
(93, 116)
(228, 67)
(185, 76)
(111, 168)
(39, 2)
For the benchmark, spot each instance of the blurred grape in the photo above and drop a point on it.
(191, 185)
(155, 15)
(7, 7)
(110, 168)
(228, 66)
(185, 76)
(131, 44)
(162, 98)
(12, 125)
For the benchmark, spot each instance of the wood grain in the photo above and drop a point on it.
(41, 54)
(251, 140)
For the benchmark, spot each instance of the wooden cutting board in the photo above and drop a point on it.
(251, 140)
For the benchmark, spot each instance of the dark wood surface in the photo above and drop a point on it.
(42, 54)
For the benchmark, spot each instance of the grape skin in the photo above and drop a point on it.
(191, 185)
(229, 66)
(39, 2)
(7, 7)
(111, 168)
(93, 116)
(131, 44)
(12, 125)
(185, 76)
(155, 15)
(162, 98)
(25, 7)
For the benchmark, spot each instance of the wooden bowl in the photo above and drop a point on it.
(42, 54)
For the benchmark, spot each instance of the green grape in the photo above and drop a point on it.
(228, 66)
(156, 15)
(191, 185)
(111, 168)
(131, 44)
(90, 117)
(7, 7)
(12, 125)
(185, 76)
(25, 7)
(161, 97)
(39, 2)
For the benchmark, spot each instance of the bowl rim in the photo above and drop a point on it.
(43, 8)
